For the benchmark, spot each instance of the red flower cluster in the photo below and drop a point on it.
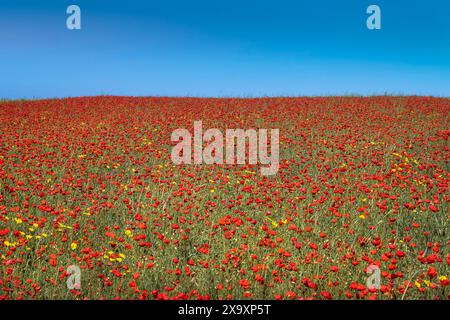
(89, 182)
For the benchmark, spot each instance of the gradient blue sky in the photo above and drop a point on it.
(223, 48)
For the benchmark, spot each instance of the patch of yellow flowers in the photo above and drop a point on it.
(111, 256)
(276, 224)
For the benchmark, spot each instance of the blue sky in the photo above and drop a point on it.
(223, 48)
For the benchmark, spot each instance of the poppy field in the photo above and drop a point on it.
(89, 182)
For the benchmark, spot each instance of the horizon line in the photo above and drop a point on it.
(348, 95)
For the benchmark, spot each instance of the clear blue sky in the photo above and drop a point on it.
(223, 48)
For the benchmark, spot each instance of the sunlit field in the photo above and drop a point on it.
(89, 182)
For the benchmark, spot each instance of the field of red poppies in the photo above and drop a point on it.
(89, 182)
